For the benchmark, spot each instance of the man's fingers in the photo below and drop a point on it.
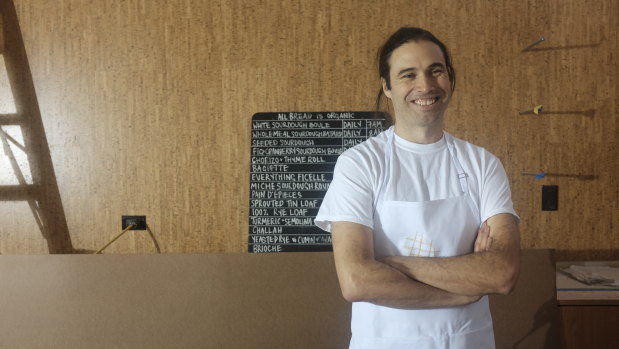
(483, 241)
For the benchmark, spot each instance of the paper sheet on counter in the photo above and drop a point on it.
(594, 275)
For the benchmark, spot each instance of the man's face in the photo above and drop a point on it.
(420, 86)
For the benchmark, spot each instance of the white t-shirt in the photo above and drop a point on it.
(423, 172)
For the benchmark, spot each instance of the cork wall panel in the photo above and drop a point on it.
(147, 107)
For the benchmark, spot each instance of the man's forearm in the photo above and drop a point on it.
(492, 271)
(364, 279)
(381, 284)
(474, 274)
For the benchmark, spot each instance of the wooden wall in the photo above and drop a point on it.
(146, 108)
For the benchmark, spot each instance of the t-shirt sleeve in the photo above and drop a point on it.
(496, 195)
(349, 197)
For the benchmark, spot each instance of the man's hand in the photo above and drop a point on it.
(483, 242)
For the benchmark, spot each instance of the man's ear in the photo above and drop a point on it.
(386, 89)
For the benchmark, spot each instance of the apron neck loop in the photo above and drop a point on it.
(390, 148)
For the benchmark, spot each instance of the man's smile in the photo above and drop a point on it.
(426, 101)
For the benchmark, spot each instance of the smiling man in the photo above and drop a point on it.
(422, 223)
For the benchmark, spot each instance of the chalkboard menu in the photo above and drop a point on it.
(292, 160)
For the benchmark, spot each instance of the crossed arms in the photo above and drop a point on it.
(420, 282)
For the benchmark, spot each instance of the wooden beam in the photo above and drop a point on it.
(1, 35)
(10, 119)
(18, 192)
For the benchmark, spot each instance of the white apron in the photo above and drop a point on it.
(438, 228)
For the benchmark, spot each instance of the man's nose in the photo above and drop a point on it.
(425, 83)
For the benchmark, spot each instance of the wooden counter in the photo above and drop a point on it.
(273, 300)
(589, 314)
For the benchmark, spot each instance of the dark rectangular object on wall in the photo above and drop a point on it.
(550, 197)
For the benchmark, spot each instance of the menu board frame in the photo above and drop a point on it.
(293, 155)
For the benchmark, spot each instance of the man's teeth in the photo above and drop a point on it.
(425, 101)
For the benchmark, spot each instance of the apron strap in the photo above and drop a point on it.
(378, 200)
(462, 176)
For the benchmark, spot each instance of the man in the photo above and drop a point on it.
(405, 210)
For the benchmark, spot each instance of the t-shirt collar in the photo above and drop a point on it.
(420, 148)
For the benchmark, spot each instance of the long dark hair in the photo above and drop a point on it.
(397, 39)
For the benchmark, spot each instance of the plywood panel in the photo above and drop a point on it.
(220, 301)
(173, 301)
(147, 106)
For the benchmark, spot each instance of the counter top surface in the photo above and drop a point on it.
(573, 292)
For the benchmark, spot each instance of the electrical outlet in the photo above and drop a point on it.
(139, 222)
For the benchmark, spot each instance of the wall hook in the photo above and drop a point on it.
(535, 175)
(535, 110)
(540, 40)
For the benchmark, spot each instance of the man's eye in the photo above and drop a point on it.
(437, 71)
